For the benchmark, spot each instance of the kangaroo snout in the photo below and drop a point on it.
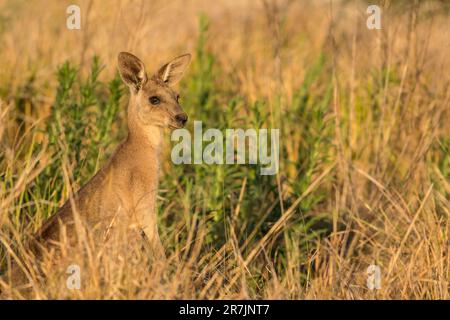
(181, 118)
(98, 203)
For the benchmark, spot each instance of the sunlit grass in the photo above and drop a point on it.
(364, 172)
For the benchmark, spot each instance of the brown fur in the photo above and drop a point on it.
(123, 193)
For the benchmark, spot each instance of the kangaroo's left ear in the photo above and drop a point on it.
(132, 70)
(173, 71)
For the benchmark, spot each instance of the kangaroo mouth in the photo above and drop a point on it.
(174, 125)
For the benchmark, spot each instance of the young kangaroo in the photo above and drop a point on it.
(124, 190)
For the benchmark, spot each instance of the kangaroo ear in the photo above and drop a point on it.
(132, 70)
(173, 71)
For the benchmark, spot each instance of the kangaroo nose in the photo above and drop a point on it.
(181, 118)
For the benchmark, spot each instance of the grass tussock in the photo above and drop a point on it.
(364, 173)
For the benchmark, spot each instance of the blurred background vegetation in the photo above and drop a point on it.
(364, 172)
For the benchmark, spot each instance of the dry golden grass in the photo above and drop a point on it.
(385, 182)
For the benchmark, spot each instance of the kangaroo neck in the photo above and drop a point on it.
(146, 139)
(144, 149)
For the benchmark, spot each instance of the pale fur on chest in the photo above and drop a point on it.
(124, 191)
(133, 187)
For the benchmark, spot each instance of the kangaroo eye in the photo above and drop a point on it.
(154, 100)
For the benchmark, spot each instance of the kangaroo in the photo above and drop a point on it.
(124, 190)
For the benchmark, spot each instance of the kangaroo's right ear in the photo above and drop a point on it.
(132, 70)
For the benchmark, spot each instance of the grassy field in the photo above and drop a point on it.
(364, 120)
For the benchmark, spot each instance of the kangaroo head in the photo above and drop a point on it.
(153, 102)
